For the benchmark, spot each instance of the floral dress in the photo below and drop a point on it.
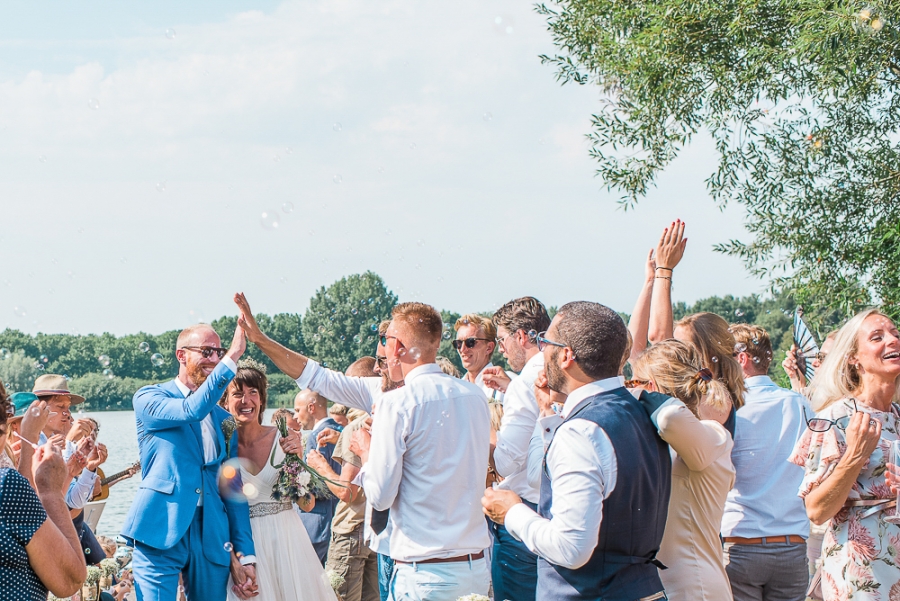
(860, 553)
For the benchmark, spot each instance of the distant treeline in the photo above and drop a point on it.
(339, 327)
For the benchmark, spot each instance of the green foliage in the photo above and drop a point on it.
(341, 324)
(17, 371)
(801, 101)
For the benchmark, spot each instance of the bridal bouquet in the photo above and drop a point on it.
(296, 479)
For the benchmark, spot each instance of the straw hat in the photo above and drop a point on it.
(50, 384)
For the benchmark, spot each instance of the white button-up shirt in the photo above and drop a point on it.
(359, 393)
(427, 463)
(520, 414)
(583, 471)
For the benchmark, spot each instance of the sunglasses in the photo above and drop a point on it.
(384, 338)
(207, 351)
(469, 342)
(820, 424)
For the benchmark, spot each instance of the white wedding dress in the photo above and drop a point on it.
(287, 567)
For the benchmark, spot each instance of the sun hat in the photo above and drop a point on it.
(51, 384)
(21, 401)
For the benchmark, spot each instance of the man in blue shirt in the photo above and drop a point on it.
(765, 525)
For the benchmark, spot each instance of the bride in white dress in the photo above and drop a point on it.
(287, 566)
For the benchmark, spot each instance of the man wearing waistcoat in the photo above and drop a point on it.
(596, 534)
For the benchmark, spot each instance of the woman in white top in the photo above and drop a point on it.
(702, 472)
(288, 568)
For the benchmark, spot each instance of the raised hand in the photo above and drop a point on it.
(246, 319)
(360, 443)
(49, 470)
(792, 369)
(650, 267)
(671, 246)
(34, 421)
(97, 457)
(494, 377)
(81, 428)
(238, 344)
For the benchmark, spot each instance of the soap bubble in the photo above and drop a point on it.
(714, 359)
(412, 146)
(87, 551)
(321, 329)
(755, 341)
(756, 359)
(446, 336)
(738, 313)
(740, 347)
(20, 311)
(357, 339)
(337, 127)
(94, 104)
(44, 359)
(39, 366)
(157, 360)
(104, 360)
(354, 311)
(144, 347)
(170, 34)
(228, 547)
(231, 487)
(343, 338)
(487, 116)
(287, 208)
(337, 178)
(42, 158)
(270, 220)
(4, 353)
(161, 187)
(108, 374)
(288, 150)
(373, 327)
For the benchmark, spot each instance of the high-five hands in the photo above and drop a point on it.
(671, 247)
(246, 319)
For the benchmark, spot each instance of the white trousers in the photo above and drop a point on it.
(439, 581)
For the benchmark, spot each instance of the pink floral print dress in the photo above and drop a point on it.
(860, 555)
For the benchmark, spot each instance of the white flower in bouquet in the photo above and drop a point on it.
(303, 479)
(335, 580)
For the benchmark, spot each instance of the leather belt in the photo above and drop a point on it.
(740, 540)
(471, 557)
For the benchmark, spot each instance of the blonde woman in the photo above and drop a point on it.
(845, 451)
(702, 472)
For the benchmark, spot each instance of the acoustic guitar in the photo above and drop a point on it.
(106, 481)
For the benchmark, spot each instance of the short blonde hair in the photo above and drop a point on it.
(482, 323)
(674, 366)
(837, 378)
(424, 321)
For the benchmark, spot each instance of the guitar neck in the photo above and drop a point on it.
(116, 476)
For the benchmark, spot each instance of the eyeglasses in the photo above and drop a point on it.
(502, 340)
(469, 342)
(636, 383)
(207, 351)
(820, 424)
(381, 362)
(542, 342)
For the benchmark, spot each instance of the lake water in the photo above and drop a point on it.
(118, 432)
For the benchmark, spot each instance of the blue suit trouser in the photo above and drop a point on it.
(513, 566)
(156, 571)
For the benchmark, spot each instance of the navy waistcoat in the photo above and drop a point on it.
(623, 566)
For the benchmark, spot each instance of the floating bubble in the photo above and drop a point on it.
(35, 411)
(317, 337)
(283, 280)
(337, 178)
(276, 158)
(343, 338)
(287, 208)
(228, 547)
(39, 366)
(20, 311)
(412, 146)
(740, 347)
(487, 116)
(42, 158)
(250, 491)
(43, 359)
(170, 34)
(288, 150)
(321, 329)
(269, 220)
(373, 327)
(157, 360)
(104, 360)
(714, 359)
(446, 336)
(738, 313)
(418, 266)
(94, 104)
(87, 551)
(354, 311)
(108, 373)
(4, 353)
(144, 347)
(161, 187)
(756, 359)
(357, 339)
(337, 127)
(415, 353)
(755, 341)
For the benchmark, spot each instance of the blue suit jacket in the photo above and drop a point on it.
(175, 473)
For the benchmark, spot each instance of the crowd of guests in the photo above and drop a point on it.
(650, 460)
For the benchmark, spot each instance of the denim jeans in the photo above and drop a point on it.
(513, 567)
(767, 572)
(385, 573)
(439, 581)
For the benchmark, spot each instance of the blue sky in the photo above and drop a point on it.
(141, 144)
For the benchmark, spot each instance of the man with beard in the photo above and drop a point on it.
(179, 523)
(513, 566)
(596, 534)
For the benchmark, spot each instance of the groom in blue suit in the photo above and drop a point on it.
(178, 521)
